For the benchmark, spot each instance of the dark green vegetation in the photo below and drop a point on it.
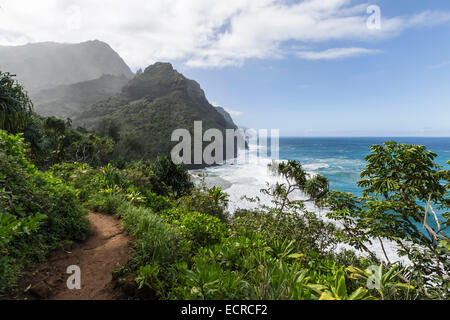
(150, 107)
(402, 188)
(226, 115)
(90, 84)
(186, 246)
(38, 212)
(15, 106)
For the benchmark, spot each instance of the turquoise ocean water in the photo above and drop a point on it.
(339, 159)
(342, 159)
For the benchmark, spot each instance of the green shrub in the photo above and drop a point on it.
(15, 105)
(157, 249)
(207, 201)
(309, 233)
(201, 229)
(251, 268)
(140, 174)
(79, 176)
(160, 176)
(110, 177)
(157, 203)
(27, 194)
(169, 178)
(105, 202)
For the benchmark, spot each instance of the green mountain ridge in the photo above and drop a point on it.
(150, 107)
(227, 116)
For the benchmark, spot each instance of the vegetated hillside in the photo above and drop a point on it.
(151, 106)
(46, 65)
(68, 100)
(227, 116)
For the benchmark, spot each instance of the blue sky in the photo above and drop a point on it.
(402, 91)
(306, 67)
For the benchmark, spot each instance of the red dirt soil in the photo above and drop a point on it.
(106, 247)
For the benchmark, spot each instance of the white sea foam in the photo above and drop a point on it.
(248, 174)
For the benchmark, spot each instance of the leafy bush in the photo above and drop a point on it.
(157, 203)
(110, 177)
(201, 229)
(28, 194)
(307, 231)
(54, 141)
(169, 178)
(160, 176)
(157, 250)
(140, 174)
(105, 202)
(80, 176)
(207, 201)
(402, 186)
(15, 105)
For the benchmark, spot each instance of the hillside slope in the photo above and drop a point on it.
(151, 106)
(68, 100)
(227, 117)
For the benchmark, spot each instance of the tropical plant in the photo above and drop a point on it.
(218, 196)
(170, 178)
(402, 185)
(338, 290)
(212, 202)
(376, 278)
(15, 105)
(317, 187)
(36, 206)
(110, 178)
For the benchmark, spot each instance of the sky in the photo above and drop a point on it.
(307, 68)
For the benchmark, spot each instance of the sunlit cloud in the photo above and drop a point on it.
(199, 33)
(336, 53)
(233, 112)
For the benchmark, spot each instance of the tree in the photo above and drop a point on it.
(402, 188)
(295, 179)
(169, 178)
(15, 105)
(109, 128)
(56, 129)
(317, 187)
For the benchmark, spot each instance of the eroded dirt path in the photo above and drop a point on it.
(105, 248)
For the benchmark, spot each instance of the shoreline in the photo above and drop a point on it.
(234, 180)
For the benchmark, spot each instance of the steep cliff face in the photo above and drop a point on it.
(150, 107)
(45, 65)
(227, 116)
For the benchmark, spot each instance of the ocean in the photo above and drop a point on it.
(339, 159)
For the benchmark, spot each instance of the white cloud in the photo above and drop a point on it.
(336, 53)
(233, 112)
(198, 32)
(230, 111)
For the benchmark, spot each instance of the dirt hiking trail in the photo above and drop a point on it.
(106, 246)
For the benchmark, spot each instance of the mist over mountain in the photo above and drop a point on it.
(150, 107)
(45, 65)
(66, 101)
(91, 84)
